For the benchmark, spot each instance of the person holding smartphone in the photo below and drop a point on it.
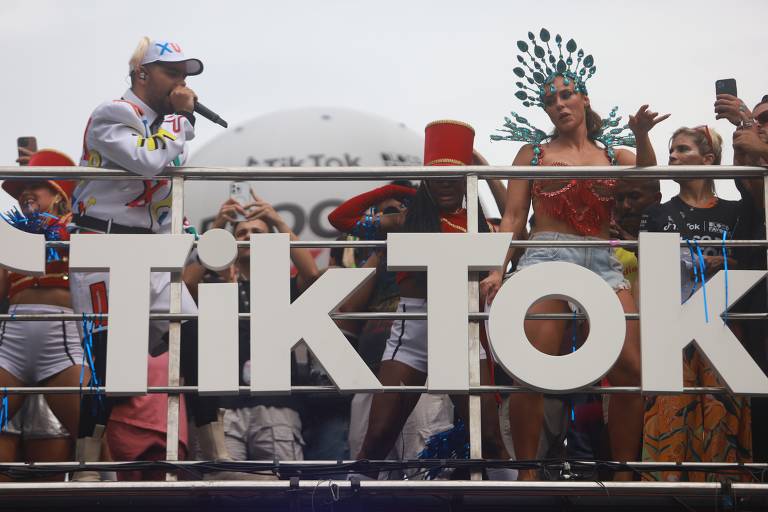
(27, 146)
(144, 131)
(750, 147)
(256, 427)
(750, 141)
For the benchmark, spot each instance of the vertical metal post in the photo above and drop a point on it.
(765, 207)
(475, 404)
(174, 333)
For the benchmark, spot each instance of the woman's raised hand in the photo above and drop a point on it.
(261, 209)
(228, 212)
(644, 120)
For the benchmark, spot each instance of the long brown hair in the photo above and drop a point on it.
(594, 122)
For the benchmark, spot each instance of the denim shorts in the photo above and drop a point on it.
(600, 260)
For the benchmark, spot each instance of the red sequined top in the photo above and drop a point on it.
(584, 204)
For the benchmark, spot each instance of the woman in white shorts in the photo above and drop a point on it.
(436, 207)
(42, 353)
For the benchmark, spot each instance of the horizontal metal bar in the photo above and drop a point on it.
(483, 315)
(604, 490)
(390, 463)
(476, 317)
(331, 243)
(392, 173)
(246, 391)
(472, 317)
(627, 244)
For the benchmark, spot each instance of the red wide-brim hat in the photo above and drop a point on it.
(44, 158)
(448, 142)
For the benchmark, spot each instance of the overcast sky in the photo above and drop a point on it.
(411, 61)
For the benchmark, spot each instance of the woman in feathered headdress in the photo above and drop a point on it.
(554, 78)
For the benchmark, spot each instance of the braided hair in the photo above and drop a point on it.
(423, 215)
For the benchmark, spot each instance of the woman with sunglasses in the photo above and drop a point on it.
(697, 428)
(750, 140)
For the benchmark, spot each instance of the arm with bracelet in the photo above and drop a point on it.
(351, 217)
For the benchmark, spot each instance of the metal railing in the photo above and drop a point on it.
(178, 176)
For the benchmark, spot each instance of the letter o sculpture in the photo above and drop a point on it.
(556, 280)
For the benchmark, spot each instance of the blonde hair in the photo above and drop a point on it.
(138, 54)
(699, 136)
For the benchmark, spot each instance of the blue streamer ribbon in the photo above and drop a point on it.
(39, 223)
(4, 410)
(725, 267)
(699, 271)
(695, 270)
(93, 382)
(702, 269)
(573, 349)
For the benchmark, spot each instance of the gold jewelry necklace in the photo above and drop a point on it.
(454, 226)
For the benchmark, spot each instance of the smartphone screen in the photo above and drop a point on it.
(726, 86)
(240, 191)
(29, 143)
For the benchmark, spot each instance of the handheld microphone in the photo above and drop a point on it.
(209, 114)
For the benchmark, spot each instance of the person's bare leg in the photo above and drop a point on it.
(526, 410)
(66, 407)
(56, 449)
(9, 443)
(389, 411)
(625, 411)
(10, 451)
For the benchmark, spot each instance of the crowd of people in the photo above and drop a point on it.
(148, 129)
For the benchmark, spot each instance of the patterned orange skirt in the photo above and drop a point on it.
(697, 428)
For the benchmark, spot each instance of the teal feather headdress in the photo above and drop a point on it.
(537, 75)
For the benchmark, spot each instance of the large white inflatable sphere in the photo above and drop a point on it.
(302, 137)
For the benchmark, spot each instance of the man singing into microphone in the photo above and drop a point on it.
(143, 132)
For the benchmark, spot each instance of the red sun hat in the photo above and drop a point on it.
(44, 158)
(448, 142)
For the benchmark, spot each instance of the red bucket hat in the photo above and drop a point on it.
(448, 142)
(44, 158)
